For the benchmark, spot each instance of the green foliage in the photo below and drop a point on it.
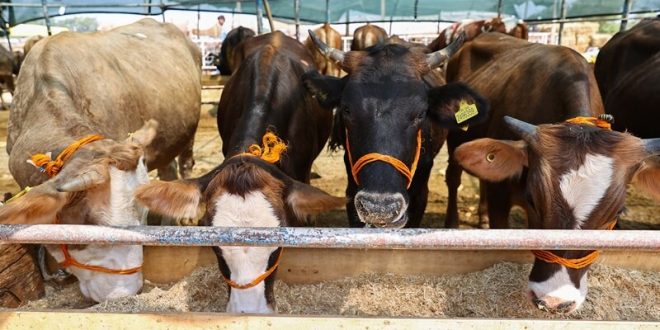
(78, 24)
(610, 27)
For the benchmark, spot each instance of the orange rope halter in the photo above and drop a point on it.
(578, 263)
(271, 149)
(257, 280)
(603, 122)
(52, 167)
(374, 157)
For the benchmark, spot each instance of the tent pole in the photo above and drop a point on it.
(260, 24)
(561, 24)
(199, 14)
(296, 13)
(624, 16)
(44, 6)
(327, 11)
(269, 15)
(499, 8)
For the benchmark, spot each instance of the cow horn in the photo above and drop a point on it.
(652, 146)
(526, 131)
(81, 182)
(436, 59)
(326, 50)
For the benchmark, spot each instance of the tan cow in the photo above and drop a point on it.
(332, 38)
(107, 83)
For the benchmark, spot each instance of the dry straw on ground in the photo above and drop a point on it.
(499, 292)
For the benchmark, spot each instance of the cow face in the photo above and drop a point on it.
(385, 111)
(576, 179)
(94, 187)
(243, 192)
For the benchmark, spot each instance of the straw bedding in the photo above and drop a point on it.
(499, 292)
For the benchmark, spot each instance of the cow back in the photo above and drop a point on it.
(107, 83)
(367, 36)
(331, 38)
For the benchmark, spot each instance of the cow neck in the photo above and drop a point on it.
(603, 122)
(407, 172)
(52, 168)
(258, 279)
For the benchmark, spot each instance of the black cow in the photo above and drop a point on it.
(628, 74)
(392, 118)
(234, 38)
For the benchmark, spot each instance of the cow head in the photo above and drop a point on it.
(385, 109)
(576, 179)
(242, 192)
(94, 187)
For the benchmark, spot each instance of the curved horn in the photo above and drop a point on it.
(652, 146)
(81, 182)
(436, 59)
(526, 131)
(326, 50)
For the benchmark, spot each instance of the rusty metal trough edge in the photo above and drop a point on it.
(454, 239)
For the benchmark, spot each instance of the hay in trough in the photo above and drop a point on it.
(499, 292)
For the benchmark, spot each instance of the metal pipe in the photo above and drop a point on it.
(499, 8)
(296, 13)
(373, 238)
(624, 16)
(44, 5)
(269, 15)
(327, 11)
(561, 24)
(260, 24)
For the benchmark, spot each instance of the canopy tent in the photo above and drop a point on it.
(338, 11)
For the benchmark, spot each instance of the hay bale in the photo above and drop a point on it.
(499, 292)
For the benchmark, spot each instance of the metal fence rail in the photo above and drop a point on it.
(454, 239)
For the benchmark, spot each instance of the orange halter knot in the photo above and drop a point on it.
(52, 168)
(270, 151)
(604, 122)
(407, 172)
(259, 278)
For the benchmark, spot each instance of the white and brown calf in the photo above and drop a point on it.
(576, 179)
(94, 187)
(244, 191)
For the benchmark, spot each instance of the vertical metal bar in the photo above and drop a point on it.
(348, 23)
(561, 23)
(382, 10)
(269, 15)
(162, 10)
(624, 16)
(296, 13)
(199, 17)
(260, 24)
(5, 27)
(327, 11)
(44, 6)
(499, 8)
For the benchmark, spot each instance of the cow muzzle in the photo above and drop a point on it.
(381, 210)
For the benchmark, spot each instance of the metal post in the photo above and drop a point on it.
(561, 24)
(269, 15)
(260, 24)
(327, 11)
(44, 6)
(296, 12)
(624, 17)
(5, 27)
(199, 17)
(499, 8)
(348, 23)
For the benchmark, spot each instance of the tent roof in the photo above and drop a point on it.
(339, 11)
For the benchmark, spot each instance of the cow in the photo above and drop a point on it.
(367, 36)
(558, 84)
(628, 73)
(8, 68)
(84, 98)
(263, 97)
(392, 117)
(577, 172)
(234, 38)
(30, 43)
(470, 28)
(520, 31)
(332, 38)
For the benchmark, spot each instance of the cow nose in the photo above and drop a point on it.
(381, 210)
(551, 304)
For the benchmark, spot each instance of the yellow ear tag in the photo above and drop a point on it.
(465, 112)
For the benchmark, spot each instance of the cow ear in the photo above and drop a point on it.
(306, 200)
(177, 199)
(647, 177)
(449, 102)
(493, 160)
(39, 206)
(144, 135)
(326, 90)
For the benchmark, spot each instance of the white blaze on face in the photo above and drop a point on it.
(122, 210)
(585, 187)
(559, 289)
(246, 263)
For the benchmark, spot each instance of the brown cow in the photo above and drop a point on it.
(628, 74)
(470, 28)
(331, 37)
(534, 82)
(76, 84)
(30, 43)
(367, 36)
(576, 179)
(234, 38)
